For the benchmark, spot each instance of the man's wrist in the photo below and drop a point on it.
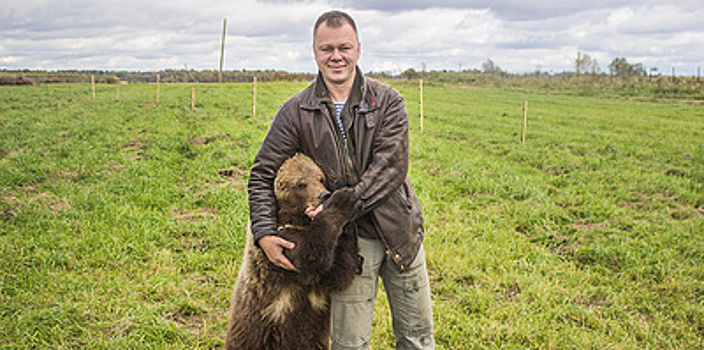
(261, 235)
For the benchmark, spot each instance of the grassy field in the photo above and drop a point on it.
(122, 222)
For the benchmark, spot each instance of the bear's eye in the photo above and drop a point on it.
(302, 186)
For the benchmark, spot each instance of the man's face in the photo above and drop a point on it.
(336, 52)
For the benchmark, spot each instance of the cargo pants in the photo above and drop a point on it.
(409, 299)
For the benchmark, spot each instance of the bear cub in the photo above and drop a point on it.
(273, 308)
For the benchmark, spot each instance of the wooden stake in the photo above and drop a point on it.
(92, 85)
(421, 105)
(222, 48)
(157, 89)
(254, 97)
(117, 92)
(525, 120)
(193, 98)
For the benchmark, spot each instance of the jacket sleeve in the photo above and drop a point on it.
(389, 165)
(280, 143)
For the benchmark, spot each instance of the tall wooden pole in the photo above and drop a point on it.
(421, 105)
(525, 120)
(222, 48)
(92, 85)
(157, 89)
(254, 97)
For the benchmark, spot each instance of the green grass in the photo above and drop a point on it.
(122, 222)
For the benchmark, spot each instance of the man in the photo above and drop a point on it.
(356, 130)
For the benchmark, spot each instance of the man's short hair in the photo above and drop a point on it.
(334, 19)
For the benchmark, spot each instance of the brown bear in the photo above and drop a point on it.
(273, 308)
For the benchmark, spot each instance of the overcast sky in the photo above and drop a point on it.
(517, 35)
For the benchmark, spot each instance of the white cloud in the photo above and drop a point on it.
(517, 35)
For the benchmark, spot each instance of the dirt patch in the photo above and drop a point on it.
(74, 174)
(136, 147)
(192, 318)
(588, 226)
(59, 206)
(681, 212)
(8, 207)
(210, 138)
(51, 202)
(10, 204)
(114, 166)
(510, 291)
(232, 173)
(634, 205)
(186, 216)
(193, 323)
(234, 176)
(16, 152)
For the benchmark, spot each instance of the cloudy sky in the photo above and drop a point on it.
(517, 35)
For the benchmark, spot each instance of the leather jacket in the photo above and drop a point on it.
(378, 163)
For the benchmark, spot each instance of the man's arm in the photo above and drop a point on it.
(389, 167)
(280, 143)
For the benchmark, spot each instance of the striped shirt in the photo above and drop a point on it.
(338, 108)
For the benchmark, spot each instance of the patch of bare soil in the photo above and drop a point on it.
(136, 147)
(210, 138)
(186, 216)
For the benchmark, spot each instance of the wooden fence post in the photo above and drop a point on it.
(157, 89)
(525, 120)
(254, 97)
(421, 105)
(193, 98)
(222, 48)
(92, 85)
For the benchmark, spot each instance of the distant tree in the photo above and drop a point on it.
(489, 67)
(410, 74)
(585, 64)
(621, 67)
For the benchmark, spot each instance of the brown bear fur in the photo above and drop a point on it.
(273, 308)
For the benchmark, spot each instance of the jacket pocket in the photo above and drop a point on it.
(403, 196)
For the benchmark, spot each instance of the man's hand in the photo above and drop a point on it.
(312, 211)
(273, 247)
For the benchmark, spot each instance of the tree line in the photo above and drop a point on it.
(26, 76)
(624, 78)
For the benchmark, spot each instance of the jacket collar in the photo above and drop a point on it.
(317, 93)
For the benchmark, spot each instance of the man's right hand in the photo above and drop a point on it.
(273, 247)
